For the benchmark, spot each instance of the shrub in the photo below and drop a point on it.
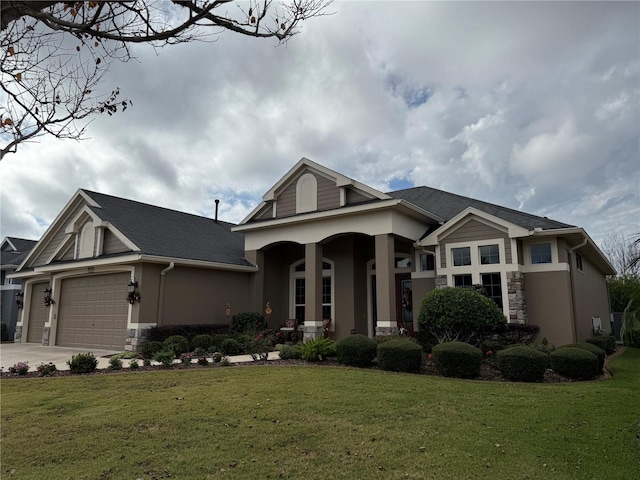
(45, 369)
(133, 364)
(185, 359)
(251, 322)
(83, 363)
(188, 331)
(460, 314)
(519, 334)
(216, 340)
(150, 348)
(165, 357)
(126, 354)
(200, 352)
(230, 346)
(522, 364)
(400, 355)
(316, 350)
(597, 351)
(3, 332)
(203, 341)
(575, 363)
(177, 344)
(606, 343)
(146, 362)
(632, 338)
(217, 357)
(457, 359)
(426, 340)
(356, 350)
(20, 368)
(286, 352)
(259, 348)
(115, 363)
(203, 361)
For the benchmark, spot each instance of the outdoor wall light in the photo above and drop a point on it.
(48, 301)
(20, 299)
(133, 296)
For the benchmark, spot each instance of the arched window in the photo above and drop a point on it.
(306, 194)
(87, 240)
(298, 293)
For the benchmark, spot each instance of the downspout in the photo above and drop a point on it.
(161, 294)
(572, 278)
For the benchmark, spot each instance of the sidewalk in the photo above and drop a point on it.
(33, 354)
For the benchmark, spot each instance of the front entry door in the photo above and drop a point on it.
(404, 301)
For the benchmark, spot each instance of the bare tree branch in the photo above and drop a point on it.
(53, 55)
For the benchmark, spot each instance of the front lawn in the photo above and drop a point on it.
(308, 422)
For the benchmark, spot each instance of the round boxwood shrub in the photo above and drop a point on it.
(230, 346)
(356, 350)
(597, 351)
(176, 343)
(400, 355)
(607, 343)
(203, 341)
(462, 314)
(83, 363)
(457, 359)
(150, 348)
(217, 339)
(522, 364)
(575, 363)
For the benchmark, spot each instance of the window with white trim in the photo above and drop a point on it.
(299, 294)
(489, 254)
(492, 284)
(461, 256)
(462, 281)
(427, 262)
(540, 253)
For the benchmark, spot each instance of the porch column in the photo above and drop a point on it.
(313, 290)
(256, 281)
(385, 285)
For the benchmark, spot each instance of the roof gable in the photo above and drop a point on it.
(14, 251)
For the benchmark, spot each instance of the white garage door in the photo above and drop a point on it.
(93, 311)
(38, 313)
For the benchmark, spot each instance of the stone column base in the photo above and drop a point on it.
(135, 338)
(17, 337)
(311, 332)
(46, 331)
(386, 331)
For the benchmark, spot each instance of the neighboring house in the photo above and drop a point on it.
(12, 252)
(319, 246)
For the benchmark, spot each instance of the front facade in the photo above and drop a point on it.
(319, 246)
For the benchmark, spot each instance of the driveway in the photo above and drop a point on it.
(34, 354)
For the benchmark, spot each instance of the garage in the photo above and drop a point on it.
(93, 311)
(38, 313)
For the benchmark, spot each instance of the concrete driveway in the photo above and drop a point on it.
(34, 354)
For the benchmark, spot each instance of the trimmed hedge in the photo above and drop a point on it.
(457, 359)
(177, 344)
(400, 355)
(606, 343)
(204, 341)
(597, 351)
(248, 322)
(356, 350)
(522, 364)
(230, 346)
(151, 347)
(576, 363)
(160, 334)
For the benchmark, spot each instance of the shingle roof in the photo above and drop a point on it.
(447, 205)
(13, 258)
(168, 233)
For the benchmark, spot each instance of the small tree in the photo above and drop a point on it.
(460, 314)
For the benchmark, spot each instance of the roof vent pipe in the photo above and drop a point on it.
(216, 217)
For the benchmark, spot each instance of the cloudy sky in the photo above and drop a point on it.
(534, 106)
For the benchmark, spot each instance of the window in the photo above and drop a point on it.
(492, 286)
(578, 261)
(299, 293)
(462, 281)
(540, 253)
(461, 256)
(489, 254)
(427, 262)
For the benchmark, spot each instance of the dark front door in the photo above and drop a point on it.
(404, 301)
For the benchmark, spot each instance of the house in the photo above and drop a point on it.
(12, 252)
(319, 246)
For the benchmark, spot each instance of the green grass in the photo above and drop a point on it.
(319, 423)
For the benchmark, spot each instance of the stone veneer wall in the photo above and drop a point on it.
(517, 302)
(441, 281)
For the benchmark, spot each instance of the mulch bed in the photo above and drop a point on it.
(488, 371)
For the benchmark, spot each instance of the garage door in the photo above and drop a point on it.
(93, 311)
(38, 313)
